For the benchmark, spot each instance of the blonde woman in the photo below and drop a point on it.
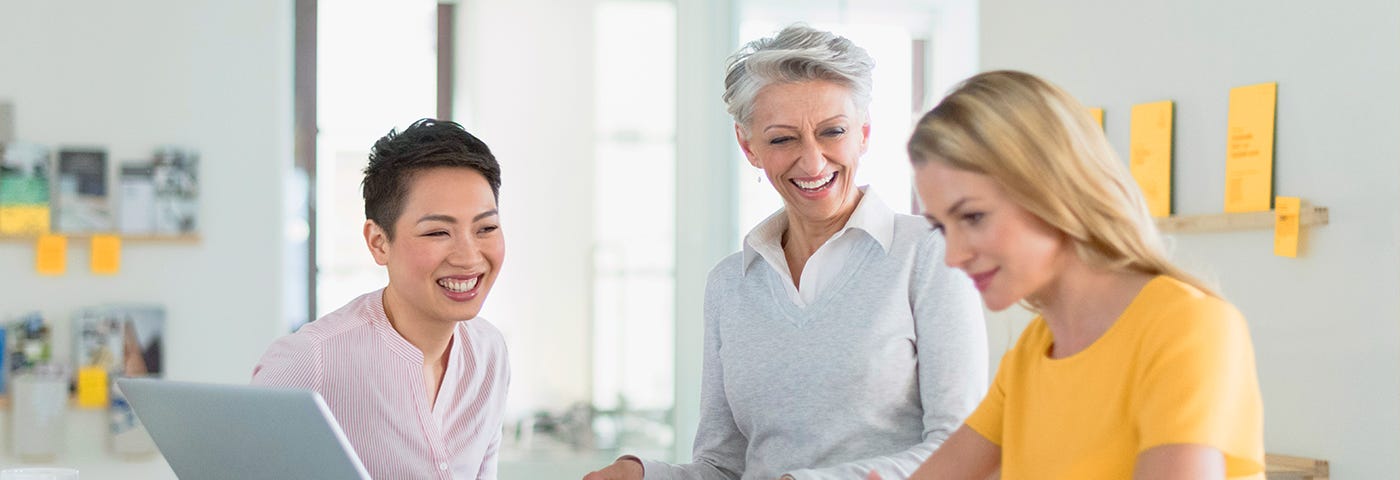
(1133, 368)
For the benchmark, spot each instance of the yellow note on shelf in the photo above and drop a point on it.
(51, 254)
(92, 387)
(1150, 154)
(1286, 219)
(106, 254)
(1097, 113)
(1249, 155)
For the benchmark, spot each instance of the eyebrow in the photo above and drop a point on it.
(839, 115)
(484, 214)
(957, 205)
(452, 219)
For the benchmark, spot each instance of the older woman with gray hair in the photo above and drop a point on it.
(836, 341)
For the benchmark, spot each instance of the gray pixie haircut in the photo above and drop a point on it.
(798, 53)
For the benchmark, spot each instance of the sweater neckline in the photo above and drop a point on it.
(851, 268)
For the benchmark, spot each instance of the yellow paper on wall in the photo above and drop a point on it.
(51, 254)
(92, 387)
(1097, 113)
(1286, 220)
(106, 254)
(1249, 155)
(1150, 154)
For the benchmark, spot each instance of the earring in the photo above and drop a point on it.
(760, 176)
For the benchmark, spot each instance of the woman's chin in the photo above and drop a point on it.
(997, 303)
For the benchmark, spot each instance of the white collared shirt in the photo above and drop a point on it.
(871, 217)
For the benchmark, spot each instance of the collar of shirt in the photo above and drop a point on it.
(377, 315)
(871, 216)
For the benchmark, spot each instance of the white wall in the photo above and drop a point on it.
(1324, 325)
(526, 89)
(212, 76)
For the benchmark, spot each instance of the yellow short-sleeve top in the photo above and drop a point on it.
(1177, 367)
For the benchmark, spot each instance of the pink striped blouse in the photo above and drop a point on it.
(372, 379)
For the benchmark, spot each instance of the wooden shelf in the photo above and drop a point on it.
(189, 239)
(1284, 467)
(1237, 222)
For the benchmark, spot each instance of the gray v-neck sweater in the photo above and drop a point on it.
(873, 375)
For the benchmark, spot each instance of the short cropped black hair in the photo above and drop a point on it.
(425, 144)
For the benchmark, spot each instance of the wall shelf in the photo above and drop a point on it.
(82, 237)
(1283, 467)
(1236, 222)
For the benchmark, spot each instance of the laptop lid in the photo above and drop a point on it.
(210, 431)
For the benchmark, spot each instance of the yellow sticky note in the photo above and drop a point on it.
(92, 387)
(106, 254)
(1249, 155)
(51, 254)
(1097, 113)
(1286, 219)
(1150, 154)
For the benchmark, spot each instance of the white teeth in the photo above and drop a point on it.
(817, 184)
(459, 286)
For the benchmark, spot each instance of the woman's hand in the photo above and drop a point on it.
(622, 469)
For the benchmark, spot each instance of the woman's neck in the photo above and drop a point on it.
(431, 338)
(804, 235)
(1083, 302)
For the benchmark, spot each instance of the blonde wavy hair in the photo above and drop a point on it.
(1044, 149)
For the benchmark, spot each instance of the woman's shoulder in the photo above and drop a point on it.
(357, 314)
(731, 266)
(1173, 310)
(1167, 296)
(484, 337)
(913, 232)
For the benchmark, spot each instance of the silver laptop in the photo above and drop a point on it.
(208, 431)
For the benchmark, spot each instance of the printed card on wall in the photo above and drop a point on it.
(1097, 113)
(175, 172)
(4, 361)
(1249, 155)
(1150, 154)
(30, 345)
(24, 189)
(123, 340)
(80, 193)
(98, 341)
(7, 122)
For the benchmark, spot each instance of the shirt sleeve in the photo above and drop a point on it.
(719, 445)
(1198, 385)
(951, 345)
(489, 459)
(292, 361)
(988, 418)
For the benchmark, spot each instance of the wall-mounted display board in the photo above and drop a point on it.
(1249, 171)
(1249, 156)
(1150, 154)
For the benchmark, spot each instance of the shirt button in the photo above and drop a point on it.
(442, 466)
